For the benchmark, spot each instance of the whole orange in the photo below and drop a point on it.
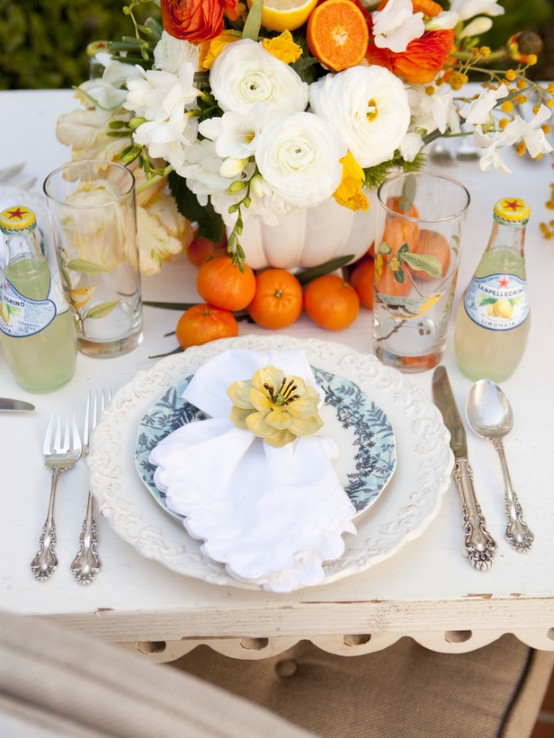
(387, 283)
(433, 244)
(331, 302)
(221, 283)
(278, 299)
(202, 323)
(201, 248)
(362, 281)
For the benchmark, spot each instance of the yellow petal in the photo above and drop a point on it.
(239, 394)
(280, 439)
(279, 417)
(304, 407)
(239, 416)
(306, 427)
(259, 400)
(256, 423)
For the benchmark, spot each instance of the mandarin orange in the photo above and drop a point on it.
(278, 299)
(221, 283)
(331, 302)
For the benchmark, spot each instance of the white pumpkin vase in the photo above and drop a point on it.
(307, 237)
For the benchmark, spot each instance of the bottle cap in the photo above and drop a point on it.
(17, 218)
(512, 210)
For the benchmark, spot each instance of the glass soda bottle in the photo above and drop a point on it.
(493, 317)
(37, 330)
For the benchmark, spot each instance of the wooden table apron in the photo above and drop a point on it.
(427, 590)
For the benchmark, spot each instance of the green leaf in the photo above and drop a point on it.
(85, 267)
(210, 223)
(487, 300)
(403, 249)
(399, 276)
(423, 262)
(100, 311)
(254, 21)
(326, 268)
(170, 305)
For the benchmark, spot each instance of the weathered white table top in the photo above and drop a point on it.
(427, 590)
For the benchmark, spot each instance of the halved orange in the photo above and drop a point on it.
(285, 15)
(337, 34)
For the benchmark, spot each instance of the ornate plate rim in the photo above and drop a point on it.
(397, 518)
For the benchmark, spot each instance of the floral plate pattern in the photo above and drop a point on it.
(371, 452)
(413, 498)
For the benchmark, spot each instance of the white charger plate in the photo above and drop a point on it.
(413, 498)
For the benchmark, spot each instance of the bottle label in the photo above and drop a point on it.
(499, 302)
(21, 316)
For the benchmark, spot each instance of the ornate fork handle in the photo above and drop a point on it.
(479, 545)
(87, 564)
(517, 530)
(46, 561)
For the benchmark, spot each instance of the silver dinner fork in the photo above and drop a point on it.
(62, 448)
(86, 563)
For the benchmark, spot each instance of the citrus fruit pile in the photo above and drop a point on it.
(272, 298)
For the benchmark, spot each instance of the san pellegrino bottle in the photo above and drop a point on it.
(37, 331)
(492, 323)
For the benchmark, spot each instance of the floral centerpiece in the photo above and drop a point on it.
(232, 113)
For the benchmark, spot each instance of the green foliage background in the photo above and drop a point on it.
(43, 42)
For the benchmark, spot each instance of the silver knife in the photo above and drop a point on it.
(479, 545)
(7, 404)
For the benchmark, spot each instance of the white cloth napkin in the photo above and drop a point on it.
(271, 515)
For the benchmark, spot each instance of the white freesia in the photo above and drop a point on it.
(155, 95)
(411, 146)
(231, 167)
(476, 27)
(530, 133)
(298, 156)
(233, 134)
(244, 75)
(170, 53)
(106, 92)
(168, 139)
(201, 170)
(478, 112)
(369, 108)
(442, 21)
(490, 158)
(467, 9)
(396, 25)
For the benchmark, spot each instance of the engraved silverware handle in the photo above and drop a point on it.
(517, 530)
(87, 564)
(479, 545)
(46, 561)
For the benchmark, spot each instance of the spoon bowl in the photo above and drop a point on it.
(490, 415)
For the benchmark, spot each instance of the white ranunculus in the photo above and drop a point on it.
(369, 108)
(155, 95)
(478, 112)
(467, 9)
(298, 156)
(233, 135)
(171, 52)
(245, 75)
(396, 25)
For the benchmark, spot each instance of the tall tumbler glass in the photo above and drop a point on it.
(417, 253)
(91, 205)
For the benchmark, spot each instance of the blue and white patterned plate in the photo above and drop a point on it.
(362, 431)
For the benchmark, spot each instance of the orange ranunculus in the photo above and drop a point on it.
(196, 20)
(424, 57)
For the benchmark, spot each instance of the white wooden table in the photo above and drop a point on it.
(427, 591)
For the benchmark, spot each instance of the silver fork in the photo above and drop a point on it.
(62, 447)
(86, 563)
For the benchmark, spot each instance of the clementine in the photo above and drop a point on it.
(331, 302)
(221, 283)
(201, 248)
(362, 281)
(202, 323)
(399, 230)
(434, 244)
(337, 34)
(278, 299)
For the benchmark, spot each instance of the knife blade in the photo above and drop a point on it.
(7, 404)
(479, 545)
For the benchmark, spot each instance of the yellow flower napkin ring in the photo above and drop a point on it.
(275, 407)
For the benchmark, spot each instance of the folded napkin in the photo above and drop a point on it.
(271, 515)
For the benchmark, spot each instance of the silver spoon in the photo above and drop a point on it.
(490, 415)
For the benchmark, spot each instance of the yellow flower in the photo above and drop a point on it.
(283, 47)
(379, 266)
(275, 407)
(210, 50)
(349, 193)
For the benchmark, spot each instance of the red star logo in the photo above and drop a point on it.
(504, 282)
(17, 214)
(512, 205)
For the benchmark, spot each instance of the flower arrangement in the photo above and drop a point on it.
(252, 111)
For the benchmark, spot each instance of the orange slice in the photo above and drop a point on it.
(285, 15)
(337, 34)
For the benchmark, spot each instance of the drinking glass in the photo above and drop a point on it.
(417, 253)
(91, 205)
